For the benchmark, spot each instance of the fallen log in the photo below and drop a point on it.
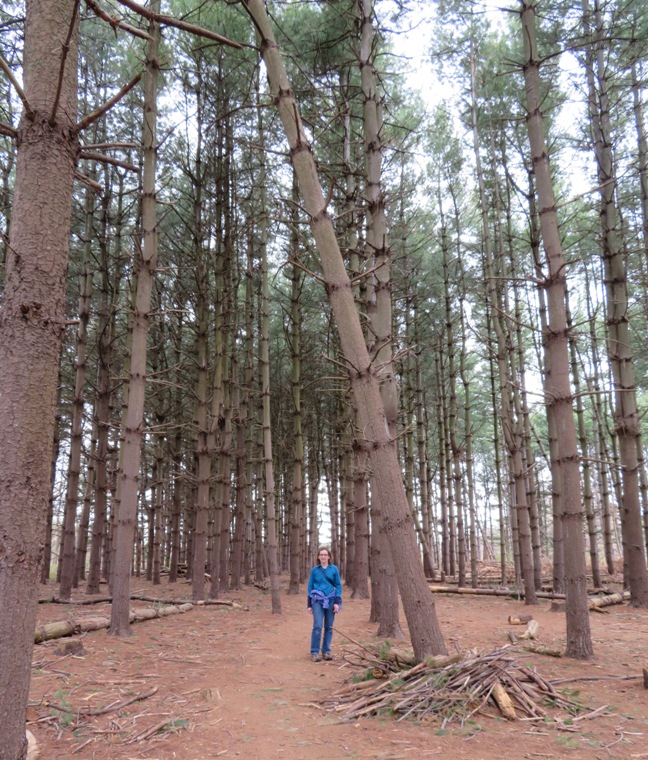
(491, 592)
(610, 599)
(503, 701)
(520, 619)
(531, 631)
(61, 628)
(549, 651)
(139, 598)
(79, 602)
(595, 602)
(33, 753)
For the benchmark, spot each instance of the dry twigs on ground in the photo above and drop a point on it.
(452, 689)
(114, 707)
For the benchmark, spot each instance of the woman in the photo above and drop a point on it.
(324, 600)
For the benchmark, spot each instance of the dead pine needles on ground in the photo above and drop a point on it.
(451, 689)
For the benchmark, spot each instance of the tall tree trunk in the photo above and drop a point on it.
(361, 522)
(380, 306)
(176, 480)
(67, 564)
(642, 155)
(297, 488)
(102, 403)
(203, 452)
(557, 382)
(84, 523)
(600, 444)
(134, 416)
(264, 361)
(620, 353)
(49, 522)
(446, 560)
(32, 324)
(418, 602)
(512, 427)
(455, 448)
(558, 565)
(584, 452)
(422, 453)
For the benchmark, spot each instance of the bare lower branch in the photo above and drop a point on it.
(16, 84)
(87, 181)
(115, 22)
(106, 146)
(308, 271)
(5, 129)
(164, 20)
(99, 112)
(592, 190)
(344, 366)
(92, 156)
(362, 275)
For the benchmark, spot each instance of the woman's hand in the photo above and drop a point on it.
(336, 608)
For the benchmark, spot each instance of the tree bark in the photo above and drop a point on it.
(379, 308)
(264, 361)
(297, 479)
(32, 324)
(557, 382)
(620, 352)
(134, 416)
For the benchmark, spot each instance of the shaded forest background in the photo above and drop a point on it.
(237, 294)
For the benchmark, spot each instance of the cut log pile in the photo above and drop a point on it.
(451, 689)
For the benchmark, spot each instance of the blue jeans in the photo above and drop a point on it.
(326, 617)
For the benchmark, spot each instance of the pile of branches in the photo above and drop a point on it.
(454, 688)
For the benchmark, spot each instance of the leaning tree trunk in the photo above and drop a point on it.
(418, 602)
(557, 382)
(32, 324)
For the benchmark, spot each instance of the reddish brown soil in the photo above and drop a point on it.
(240, 683)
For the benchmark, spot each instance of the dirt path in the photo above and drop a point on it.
(234, 683)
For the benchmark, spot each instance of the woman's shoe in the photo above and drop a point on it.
(327, 656)
(316, 658)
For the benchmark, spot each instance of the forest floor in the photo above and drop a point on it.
(239, 683)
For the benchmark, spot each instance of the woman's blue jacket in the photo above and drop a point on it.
(325, 584)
